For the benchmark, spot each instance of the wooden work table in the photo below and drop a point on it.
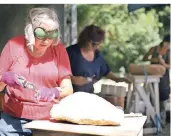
(131, 126)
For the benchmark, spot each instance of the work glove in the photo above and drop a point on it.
(10, 78)
(47, 94)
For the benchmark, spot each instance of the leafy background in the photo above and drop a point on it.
(128, 35)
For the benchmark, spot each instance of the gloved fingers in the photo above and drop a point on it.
(51, 98)
(42, 98)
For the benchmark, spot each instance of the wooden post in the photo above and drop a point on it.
(74, 24)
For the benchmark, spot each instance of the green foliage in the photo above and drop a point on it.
(128, 35)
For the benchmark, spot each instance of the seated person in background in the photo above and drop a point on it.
(87, 63)
(164, 84)
(153, 53)
(161, 55)
(41, 59)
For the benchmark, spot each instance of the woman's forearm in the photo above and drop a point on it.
(148, 55)
(65, 91)
(162, 62)
(65, 88)
(74, 80)
(2, 86)
(112, 76)
(79, 80)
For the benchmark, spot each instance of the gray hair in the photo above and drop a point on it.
(35, 18)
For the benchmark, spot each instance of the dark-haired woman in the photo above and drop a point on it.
(87, 63)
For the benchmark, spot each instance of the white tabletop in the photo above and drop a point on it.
(131, 126)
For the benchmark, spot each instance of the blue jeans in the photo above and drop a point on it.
(12, 126)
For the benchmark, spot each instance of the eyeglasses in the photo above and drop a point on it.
(95, 43)
(41, 33)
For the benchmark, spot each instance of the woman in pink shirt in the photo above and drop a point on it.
(41, 59)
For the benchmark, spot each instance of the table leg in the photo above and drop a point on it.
(129, 97)
(147, 103)
(156, 88)
(137, 100)
(141, 132)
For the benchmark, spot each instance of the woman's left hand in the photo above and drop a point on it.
(47, 94)
(123, 79)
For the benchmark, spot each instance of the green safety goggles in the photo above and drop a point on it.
(41, 33)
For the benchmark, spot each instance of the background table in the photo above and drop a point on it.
(146, 90)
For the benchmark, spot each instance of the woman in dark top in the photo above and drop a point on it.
(87, 63)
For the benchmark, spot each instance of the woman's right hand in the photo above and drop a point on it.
(10, 78)
(79, 80)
